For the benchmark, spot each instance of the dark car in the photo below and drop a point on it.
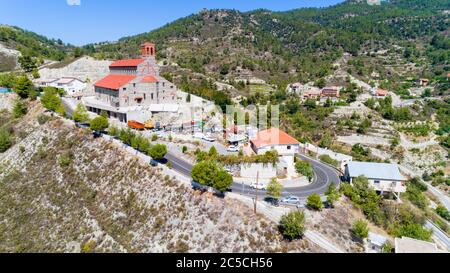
(97, 134)
(273, 201)
(82, 125)
(154, 163)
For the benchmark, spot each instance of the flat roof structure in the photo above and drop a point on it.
(382, 171)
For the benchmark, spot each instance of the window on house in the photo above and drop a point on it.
(151, 96)
(376, 182)
(124, 89)
(145, 96)
(134, 85)
(288, 147)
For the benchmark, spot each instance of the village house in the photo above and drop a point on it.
(311, 93)
(285, 145)
(330, 92)
(383, 177)
(423, 82)
(294, 88)
(378, 92)
(134, 86)
(72, 86)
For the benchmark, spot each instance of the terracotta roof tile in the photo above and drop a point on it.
(114, 82)
(127, 63)
(273, 136)
(149, 79)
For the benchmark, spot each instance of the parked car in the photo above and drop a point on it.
(154, 163)
(259, 186)
(82, 125)
(97, 134)
(207, 138)
(233, 148)
(294, 200)
(273, 201)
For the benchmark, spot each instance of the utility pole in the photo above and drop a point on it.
(256, 193)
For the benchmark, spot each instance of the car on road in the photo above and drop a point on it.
(209, 139)
(82, 125)
(233, 148)
(259, 186)
(292, 200)
(153, 163)
(273, 201)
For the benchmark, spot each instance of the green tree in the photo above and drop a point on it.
(208, 173)
(292, 225)
(158, 151)
(360, 229)
(50, 99)
(27, 63)
(36, 74)
(5, 140)
(212, 152)
(314, 201)
(23, 87)
(274, 189)
(332, 195)
(304, 168)
(99, 124)
(80, 114)
(20, 109)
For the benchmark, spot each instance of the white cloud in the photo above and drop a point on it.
(73, 2)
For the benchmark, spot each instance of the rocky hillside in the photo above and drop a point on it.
(61, 190)
(303, 44)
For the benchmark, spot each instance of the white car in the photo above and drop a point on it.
(208, 138)
(233, 149)
(259, 186)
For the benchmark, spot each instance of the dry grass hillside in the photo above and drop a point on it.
(63, 191)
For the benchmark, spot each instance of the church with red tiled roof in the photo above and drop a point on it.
(133, 83)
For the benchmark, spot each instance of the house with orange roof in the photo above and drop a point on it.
(133, 84)
(378, 92)
(285, 145)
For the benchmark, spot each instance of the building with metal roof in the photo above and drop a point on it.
(383, 177)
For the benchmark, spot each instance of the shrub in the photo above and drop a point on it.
(80, 114)
(314, 201)
(387, 247)
(50, 99)
(113, 131)
(413, 230)
(154, 137)
(99, 123)
(64, 160)
(158, 151)
(5, 140)
(360, 229)
(23, 86)
(20, 109)
(304, 168)
(292, 225)
(332, 195)
(184, 149)
(208, 173)
(42, 119)
(274, 189)
(443, 212)
(327, 159)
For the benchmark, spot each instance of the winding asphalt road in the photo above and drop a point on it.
(324, 176)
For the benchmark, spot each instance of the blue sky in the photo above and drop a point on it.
(84, 21)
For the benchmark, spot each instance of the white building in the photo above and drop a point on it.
(410, 245)
(72, 86)
(278, 140)
(383, 177)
